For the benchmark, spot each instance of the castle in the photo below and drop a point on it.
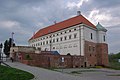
(74, 36)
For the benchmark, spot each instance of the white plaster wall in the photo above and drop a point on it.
(63, 47)
(87, 34)
(100, 37)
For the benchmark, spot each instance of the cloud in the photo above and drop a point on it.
(78, 4)
(24, 17)
(9, 24)
(97, 16)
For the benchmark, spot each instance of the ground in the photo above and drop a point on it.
(69, 74)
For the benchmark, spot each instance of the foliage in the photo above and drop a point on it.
(114, 65)
(98, 67)
(113, 61)
(7, 46)
(114, 57)
(7, 73)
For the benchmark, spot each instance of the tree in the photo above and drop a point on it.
(114, 57)
(7, 46)
(0, 51)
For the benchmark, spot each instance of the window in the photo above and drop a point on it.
(50, 41)
(75, 35)
(70, 46)
(53, 40)
(91, 36)
(65, 46)
(65, 37)
(53, 35)
(57, 34)
(89, 48)
(69, 30)
(46, 37)
(104, 37)
(53, 47)
(61, 32)
(46, 42)
(69, 36)
(65, 31)
(93, 49)
(75, 29)
(75, 45)
(61, 39)
(90, 54)
(57, 40)
(43, 43)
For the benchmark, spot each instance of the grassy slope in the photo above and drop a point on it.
(7, 73)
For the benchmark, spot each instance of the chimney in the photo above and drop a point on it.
(78, 13)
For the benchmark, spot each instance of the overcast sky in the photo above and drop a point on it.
(24, 17)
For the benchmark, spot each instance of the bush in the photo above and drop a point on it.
(98, 67)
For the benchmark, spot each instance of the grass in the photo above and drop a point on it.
(7, 73)
(114, 65)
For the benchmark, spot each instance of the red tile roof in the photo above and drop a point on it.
(62, 25)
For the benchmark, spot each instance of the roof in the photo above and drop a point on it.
(62, 25)
(100, 27)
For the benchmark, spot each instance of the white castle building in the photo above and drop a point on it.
(75, 36)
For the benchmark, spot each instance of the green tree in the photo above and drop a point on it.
(7, 46)
(114, 57)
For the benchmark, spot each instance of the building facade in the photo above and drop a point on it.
(74, 36)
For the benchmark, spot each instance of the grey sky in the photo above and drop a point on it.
(24, 17)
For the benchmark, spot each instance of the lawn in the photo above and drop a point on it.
(7, 73)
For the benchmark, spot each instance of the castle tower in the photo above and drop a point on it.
(102, 46)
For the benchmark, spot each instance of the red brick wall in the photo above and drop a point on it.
(96, 56)
(102, 52)
(90, 54)
(48, 60)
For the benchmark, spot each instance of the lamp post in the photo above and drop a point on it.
(12, 39)
(0, 52)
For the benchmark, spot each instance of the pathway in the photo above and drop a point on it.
(44, 74)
